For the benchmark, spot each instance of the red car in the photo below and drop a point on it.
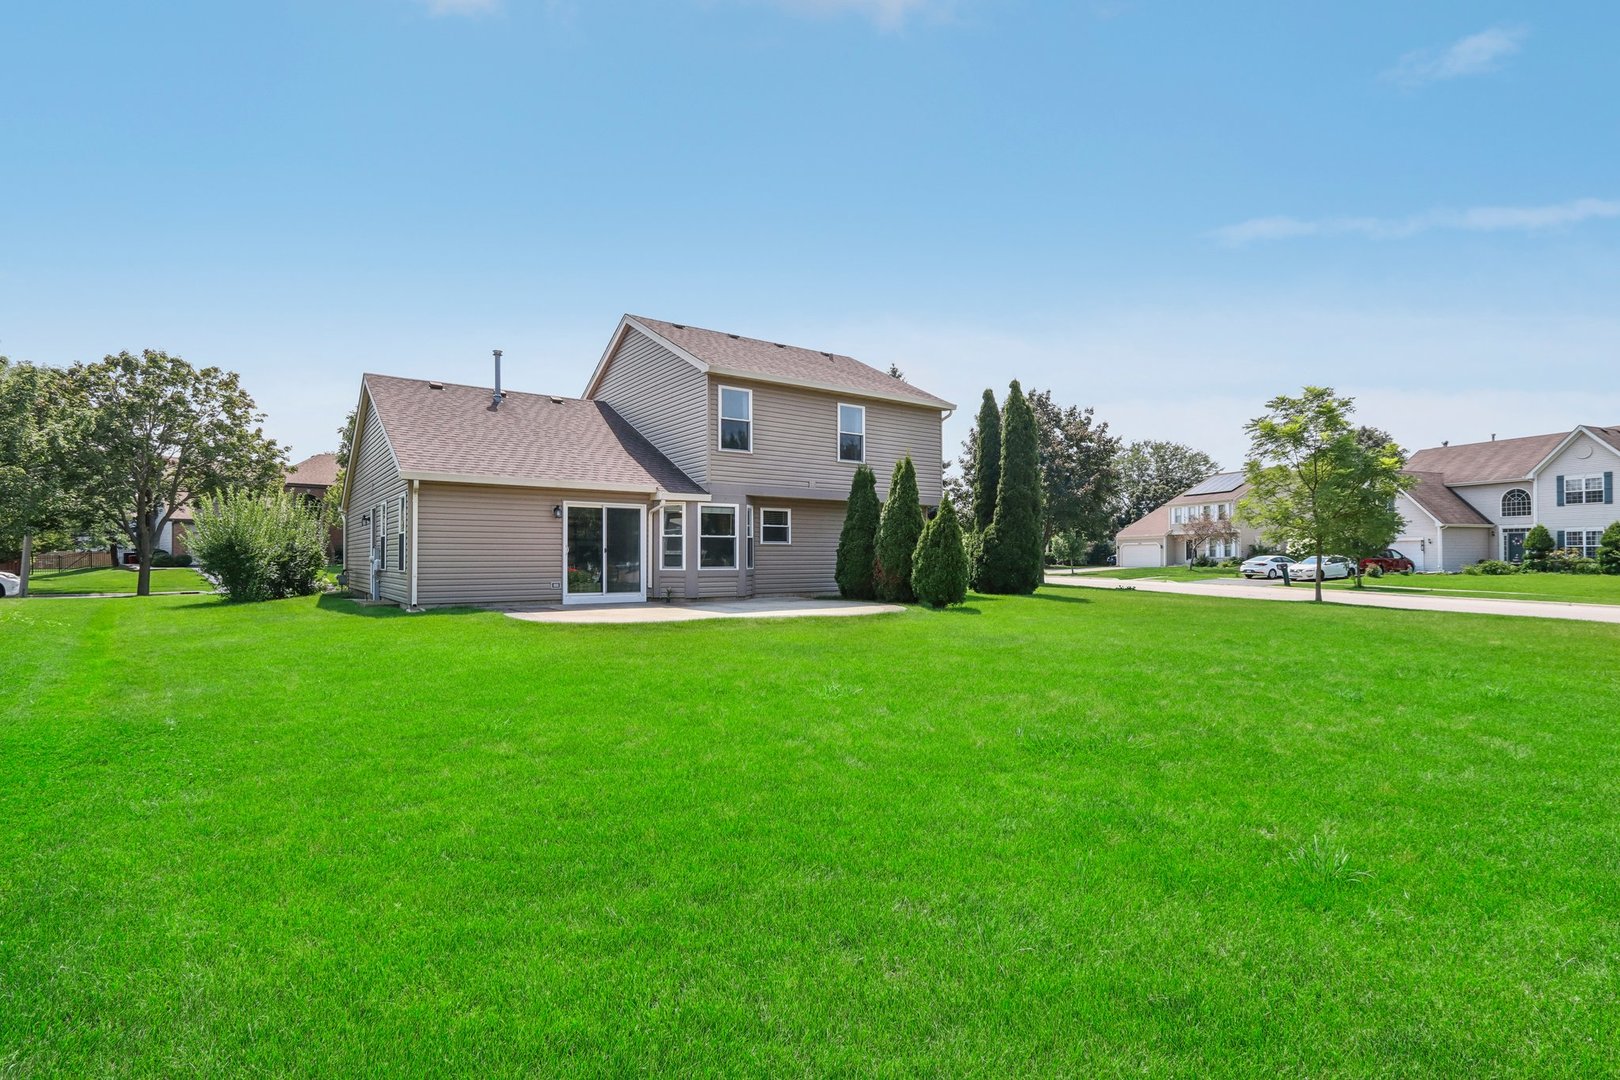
(1389, 561)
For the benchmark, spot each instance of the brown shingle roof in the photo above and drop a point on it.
(1221, 487)
(743, 356)
(1484, 462)
(1153, 526)
(320, 470)
(531, 438)
(1431, 493)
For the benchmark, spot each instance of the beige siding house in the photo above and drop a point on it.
(696, 465)
(1160, 537)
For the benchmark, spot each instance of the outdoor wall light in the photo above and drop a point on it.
(556, 511)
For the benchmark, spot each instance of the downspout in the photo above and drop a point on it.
(416, 491)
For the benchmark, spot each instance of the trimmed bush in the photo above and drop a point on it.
(260, 547)
(857, 544)
(1608, 553)
(1491, 568)
(939, 568)
(899, 529)
(1538, 544)
(1013, 543)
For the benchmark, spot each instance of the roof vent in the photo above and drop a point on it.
(734, 337)
(779, 345)
(828, 355)
(556, 400)
(435, 386)
(678, 326)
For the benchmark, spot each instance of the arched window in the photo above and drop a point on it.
(1516, 503)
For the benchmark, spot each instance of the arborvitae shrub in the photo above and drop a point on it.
(899, 528)
(939, 568)
(857, 544)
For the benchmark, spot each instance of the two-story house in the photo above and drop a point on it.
(1161, 537)
(696, 464)
(1477, 501)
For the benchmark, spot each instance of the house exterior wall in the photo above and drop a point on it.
(795, 441)
(806, 564)
(1487, 499)
(375, 485)
(1464, 545)
(1599, 459)
(1419, 538)
(662, 396)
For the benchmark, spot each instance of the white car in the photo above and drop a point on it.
(1266, 566)
(1333, 566)
(10, 584)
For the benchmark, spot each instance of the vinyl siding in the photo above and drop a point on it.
(376, 483)
(1600, 459)
(796, 441)
(1487, 499)
(1464, 547)
(661, 395)
(492, 545)
(806, 565)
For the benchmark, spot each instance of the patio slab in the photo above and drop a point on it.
(776, 607)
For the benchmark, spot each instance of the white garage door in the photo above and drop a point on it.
(1140, 555)
(1413, 550)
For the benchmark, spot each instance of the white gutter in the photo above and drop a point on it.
(416, 491)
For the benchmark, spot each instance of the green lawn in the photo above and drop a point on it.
(1566, 588)
(110, 580)
(1085, 833)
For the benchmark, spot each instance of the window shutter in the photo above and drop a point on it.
(1560, 482)
(1608, 487)
(1560, 538)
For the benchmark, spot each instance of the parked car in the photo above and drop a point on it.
(1389, 561)
(10, 584)
(1266, 566)
(1333, 566)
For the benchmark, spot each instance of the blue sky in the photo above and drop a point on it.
(1168, 211)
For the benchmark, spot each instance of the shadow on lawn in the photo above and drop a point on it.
(1067, 594)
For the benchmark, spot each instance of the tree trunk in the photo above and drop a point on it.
(144, 542)
(1318, 575)
(27, 561)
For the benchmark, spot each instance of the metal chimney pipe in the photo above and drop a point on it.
(499, 397)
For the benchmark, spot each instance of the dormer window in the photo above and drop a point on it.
(736, 420)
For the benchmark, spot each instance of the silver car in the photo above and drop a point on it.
(1333, 566)
(1266, 566)
(10, 584)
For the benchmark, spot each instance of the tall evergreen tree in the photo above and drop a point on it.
(898, 531)
(857, 544)
(986, 478)
(939, 569)
(1011, 560)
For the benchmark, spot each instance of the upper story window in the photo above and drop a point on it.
(1583, 489)
(852, 433)
(736, 419)
(1516, 503)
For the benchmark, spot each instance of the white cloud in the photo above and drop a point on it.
(1472, 219)
(1475, 54)
(889, 14)
(462, 7)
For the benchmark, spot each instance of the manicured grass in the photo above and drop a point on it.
(1172, 573)
(1084, 833)
(109, 579)
(1565, 588)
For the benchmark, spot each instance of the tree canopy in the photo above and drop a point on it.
(38, 427)
(1152, 472)
(160, 432)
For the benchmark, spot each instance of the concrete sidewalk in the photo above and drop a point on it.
(1530, 609)
(778, 607)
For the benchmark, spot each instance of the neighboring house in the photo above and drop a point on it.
(696, 464)
(1478, 500)
(310, 479)
(1160, 538)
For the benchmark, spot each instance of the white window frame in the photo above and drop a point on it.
(720, 419)
(839, 448)
(1529, 504)
(787, 524)
(749, 561)
(664, 534)
(736, 515)
(1589, 550)
(1585, 491)
(399, 542)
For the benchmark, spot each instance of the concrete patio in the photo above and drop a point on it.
(776, 607)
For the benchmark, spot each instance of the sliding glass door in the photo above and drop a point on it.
(604, 549)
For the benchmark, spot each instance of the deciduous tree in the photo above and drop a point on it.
(40, 422)
(1152, 472)
(162, 432)
(1079, 484)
